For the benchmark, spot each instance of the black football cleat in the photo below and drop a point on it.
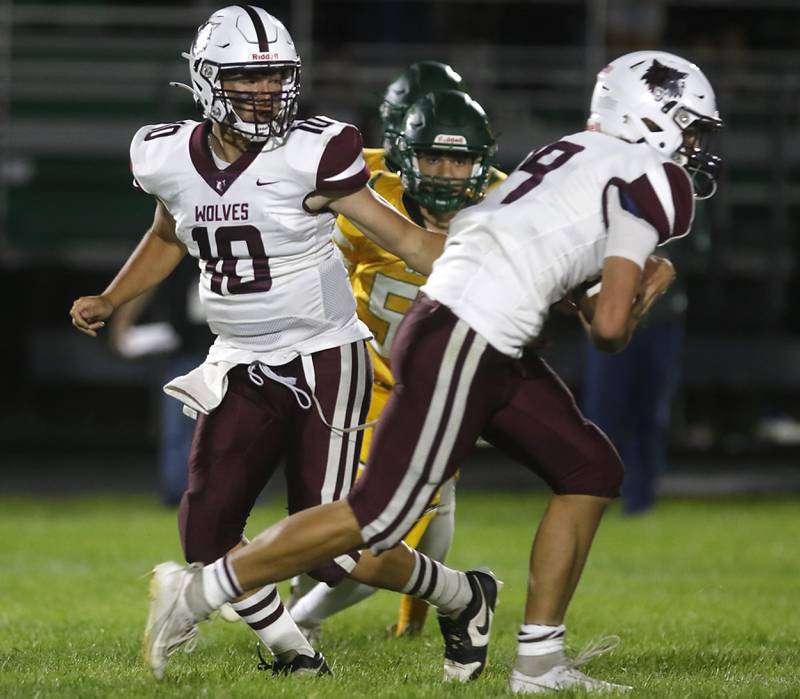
(299, 666)
(466, 638)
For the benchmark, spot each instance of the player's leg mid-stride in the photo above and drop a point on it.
(182, 596)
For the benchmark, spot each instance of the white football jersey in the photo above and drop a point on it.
(548, 228)
(271, 279)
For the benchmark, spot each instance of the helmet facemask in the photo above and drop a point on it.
(392, 118)
(255, 115)
(443, 194)
(695, 153)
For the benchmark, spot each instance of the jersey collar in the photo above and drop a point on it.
(200, 153)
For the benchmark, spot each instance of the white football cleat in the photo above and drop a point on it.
(566, 675)
(560, 677)
(170, 623)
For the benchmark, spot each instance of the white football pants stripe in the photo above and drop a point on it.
(382, 525)
(347, 441)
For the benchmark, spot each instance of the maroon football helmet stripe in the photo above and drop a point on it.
(261, 32)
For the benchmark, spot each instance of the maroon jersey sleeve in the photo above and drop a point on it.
(670, 211)
(342, 164)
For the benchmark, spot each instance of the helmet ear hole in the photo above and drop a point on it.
(650, 124)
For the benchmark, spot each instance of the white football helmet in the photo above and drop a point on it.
(238, 40)
(666, 101)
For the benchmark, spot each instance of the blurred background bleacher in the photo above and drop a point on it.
(78, 78)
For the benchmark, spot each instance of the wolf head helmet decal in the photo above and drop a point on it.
(664, 81)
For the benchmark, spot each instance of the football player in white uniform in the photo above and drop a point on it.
(594, 204)
(252, 194)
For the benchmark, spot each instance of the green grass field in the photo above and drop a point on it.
(704, 595)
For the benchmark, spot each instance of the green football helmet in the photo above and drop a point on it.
(451, 122)
(415, 81)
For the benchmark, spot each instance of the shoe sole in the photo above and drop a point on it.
(523, 684)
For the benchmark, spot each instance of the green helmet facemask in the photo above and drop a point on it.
(446, 122)
(415, 81)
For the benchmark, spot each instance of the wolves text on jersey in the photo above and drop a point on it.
(208, 213)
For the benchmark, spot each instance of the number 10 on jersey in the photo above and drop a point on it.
(224, 277)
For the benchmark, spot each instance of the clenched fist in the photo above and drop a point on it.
(89, 313)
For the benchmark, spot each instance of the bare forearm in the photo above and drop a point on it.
(417, 247)
(420, 250)
(389, 229)
(150, 263)
(608, 344)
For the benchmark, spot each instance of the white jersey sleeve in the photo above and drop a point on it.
(332, 161)
(628, 235)
(150, 156)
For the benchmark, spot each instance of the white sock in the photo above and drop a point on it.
(540, 639)
(323, 601)
(264, 613)
(220, 583)
(447, 589)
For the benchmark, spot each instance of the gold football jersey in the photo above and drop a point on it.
(374, 158)
(383, 285)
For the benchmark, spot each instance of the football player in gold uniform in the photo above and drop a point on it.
(443, 152)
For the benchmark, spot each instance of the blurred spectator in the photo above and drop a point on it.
(635, 25)
(629, 395)
(181, 334)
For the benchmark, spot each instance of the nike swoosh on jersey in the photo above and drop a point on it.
(263, 184)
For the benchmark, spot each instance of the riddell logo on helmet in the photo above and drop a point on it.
(450, 139)
(263, 56)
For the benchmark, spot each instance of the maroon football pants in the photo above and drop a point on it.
(237, 448)
(451, 387)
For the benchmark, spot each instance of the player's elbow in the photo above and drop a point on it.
(609, 334)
